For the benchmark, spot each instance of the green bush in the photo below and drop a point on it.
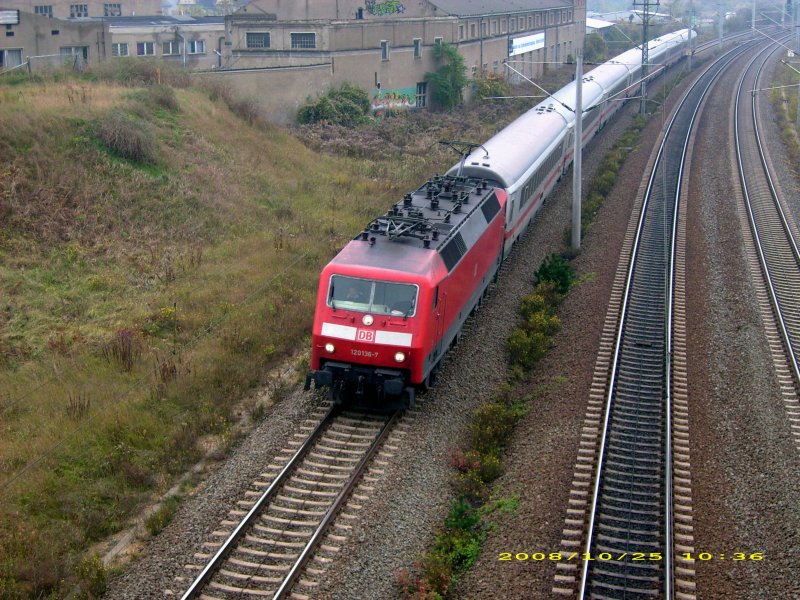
(556, 268)
(449, 80)
(490, 85)
(347, 105)
(490, 428)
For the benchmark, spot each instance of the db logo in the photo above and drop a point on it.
(365, 335)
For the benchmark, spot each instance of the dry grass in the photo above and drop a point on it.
(139, 303)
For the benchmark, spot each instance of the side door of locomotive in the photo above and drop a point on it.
(439, 305)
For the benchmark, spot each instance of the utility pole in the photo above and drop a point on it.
(647, 7)
(578, 151)
(692, 23)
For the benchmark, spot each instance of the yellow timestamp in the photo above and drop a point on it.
(722, 555)
(631, 556)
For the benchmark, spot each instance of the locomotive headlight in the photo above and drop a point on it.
(399, 356)
(367, 320)
(329, 348)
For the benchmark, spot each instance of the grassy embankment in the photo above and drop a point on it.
(140, 300)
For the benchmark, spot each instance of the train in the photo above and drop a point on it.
(395, 299)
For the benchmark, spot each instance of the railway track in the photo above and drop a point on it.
(265, 545)
(629, 518)
(772, 246)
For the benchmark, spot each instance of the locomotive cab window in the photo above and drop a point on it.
(377, 297)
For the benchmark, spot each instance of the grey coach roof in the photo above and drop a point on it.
(465, 8)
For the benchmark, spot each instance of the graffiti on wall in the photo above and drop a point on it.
(390, 100)
(392, 7)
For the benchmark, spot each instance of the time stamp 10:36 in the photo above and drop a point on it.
(632, 556)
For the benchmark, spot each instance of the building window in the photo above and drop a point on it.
(417, 48)
(257, 40)
(438, 41)
(494, 27)
(78, 10)
(472, 30)
(530, 22)
(55, 31)
(145, 48)
(483, 29)
(120, 49)
(112, 10)
(474, 71)
(494, 66)
(538, 20)
(70, 51)
(359, 13)
(503, 26)
(196, 47)
(304, 40)
(46, 10)
(10, 57)
(512, 25)
(171, 48)
(384, 50)
(460, 32)
(422, 93)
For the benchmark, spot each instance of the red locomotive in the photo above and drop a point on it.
(393, 301)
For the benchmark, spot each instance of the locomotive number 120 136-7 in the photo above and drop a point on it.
(363, 353)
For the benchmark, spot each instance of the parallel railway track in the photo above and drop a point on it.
(774, 240)
(621, 523)
(771, 245)
(264, 553)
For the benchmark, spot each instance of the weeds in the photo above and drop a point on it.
(78, 406)
(123, 350)
(127, 137)
(162, 516)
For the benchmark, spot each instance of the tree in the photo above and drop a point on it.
(450, 79)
